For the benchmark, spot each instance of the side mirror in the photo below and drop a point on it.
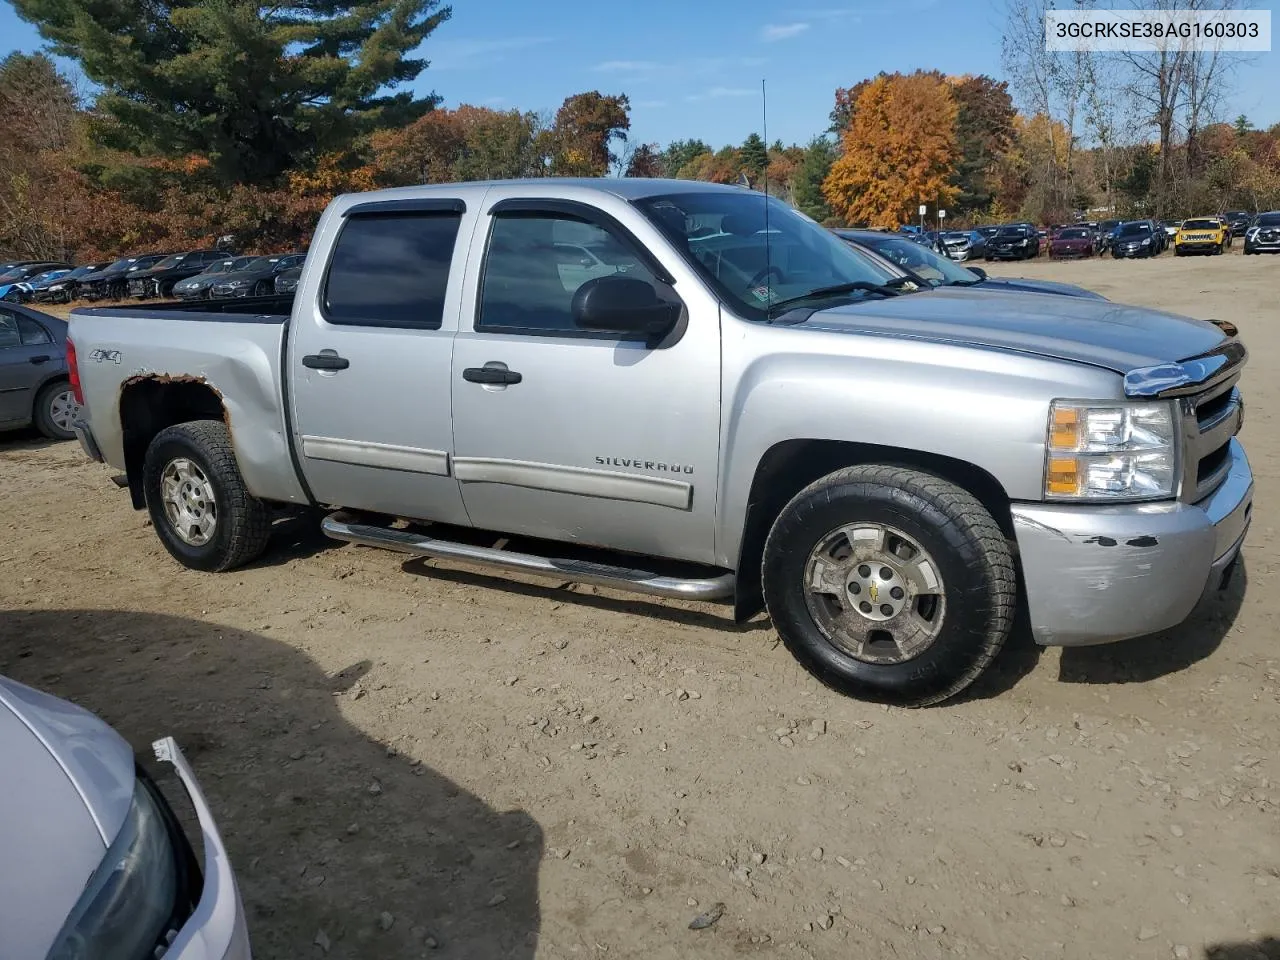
(622, 304)
(978, 272)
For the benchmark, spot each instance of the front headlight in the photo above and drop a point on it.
(1111, 451)
(236, 283)
(1146, 242)
(132, 903)
(1251, 232)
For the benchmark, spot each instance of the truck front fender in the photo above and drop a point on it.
(912, 402)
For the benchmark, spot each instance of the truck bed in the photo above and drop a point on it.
(272, 309)
(233, 348)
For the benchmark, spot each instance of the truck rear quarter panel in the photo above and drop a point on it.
(983, 407)
(238, 357)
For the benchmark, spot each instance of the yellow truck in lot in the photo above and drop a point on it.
(1202, 235)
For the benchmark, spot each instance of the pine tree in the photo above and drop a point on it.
(818, 157)
(257, 90)
(754, 156)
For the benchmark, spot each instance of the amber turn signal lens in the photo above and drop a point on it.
(1064, 476)
(1064, 432)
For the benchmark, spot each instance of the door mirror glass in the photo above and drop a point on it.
(620, 304)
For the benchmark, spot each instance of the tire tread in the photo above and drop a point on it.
(957, 515)
(249, 517)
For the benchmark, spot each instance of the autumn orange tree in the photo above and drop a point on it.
(899, 150)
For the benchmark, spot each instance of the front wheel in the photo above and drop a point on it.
(201, 509)
(889, 583)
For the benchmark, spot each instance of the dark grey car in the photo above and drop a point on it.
(934, 270)
(34, 386)
(257, 279)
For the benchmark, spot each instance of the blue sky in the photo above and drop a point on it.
(694, 69)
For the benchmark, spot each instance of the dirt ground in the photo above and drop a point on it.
(420, 760)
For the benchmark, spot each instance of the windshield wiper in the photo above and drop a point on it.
(884, 289)
(964, 283)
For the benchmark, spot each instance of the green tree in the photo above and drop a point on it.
(259, 90)
(1242, 125)
(680, 153)
(753, 156)
(818, 157)
(984, 132)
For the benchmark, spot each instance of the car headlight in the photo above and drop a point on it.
(133, 902)
(1251, 232)
(57, 286)
(1111, 451)
(236, 283)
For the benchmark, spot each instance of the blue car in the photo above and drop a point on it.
(22, 292)
(10, 279)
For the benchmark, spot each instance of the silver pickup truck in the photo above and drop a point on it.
(727, 398)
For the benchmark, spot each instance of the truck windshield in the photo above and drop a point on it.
(723, 236)
(1200, 225)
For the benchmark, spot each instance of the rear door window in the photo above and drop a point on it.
(391, 270)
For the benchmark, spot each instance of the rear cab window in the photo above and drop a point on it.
(390, 268)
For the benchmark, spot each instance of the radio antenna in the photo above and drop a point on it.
(768, 239)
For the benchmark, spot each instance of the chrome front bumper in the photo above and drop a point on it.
(216, 929)
(1097, 574)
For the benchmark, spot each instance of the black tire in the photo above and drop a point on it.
(243, 522)
(261, 289)
(43, 414)
(972, 556)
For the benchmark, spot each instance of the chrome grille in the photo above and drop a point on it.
(1209, 420)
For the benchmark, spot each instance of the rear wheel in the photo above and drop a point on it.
(262, 288)
(889, 583)
(201, 509)
(56, 411)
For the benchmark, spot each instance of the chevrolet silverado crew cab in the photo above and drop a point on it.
(728, 399)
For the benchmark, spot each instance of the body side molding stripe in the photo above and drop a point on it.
(606, 484)
(387, 456)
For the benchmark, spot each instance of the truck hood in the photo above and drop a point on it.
(1097, 332)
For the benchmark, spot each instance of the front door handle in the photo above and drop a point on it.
(491, 374)
(43, 358)
(325, 360)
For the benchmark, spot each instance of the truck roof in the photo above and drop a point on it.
(628, 188)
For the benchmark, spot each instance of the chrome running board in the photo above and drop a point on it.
(341, 526)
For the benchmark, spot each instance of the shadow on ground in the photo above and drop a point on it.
(327, 828)
(1268, 948)
(28, 438)
(1159, 654)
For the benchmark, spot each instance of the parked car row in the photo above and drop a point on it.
(1123, 239)
(191, 275)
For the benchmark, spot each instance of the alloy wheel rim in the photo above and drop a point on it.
(875, 593)
(189, 503)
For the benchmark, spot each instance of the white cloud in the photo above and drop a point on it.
(782, 31)
(626, 66)
(649, 104)
(454, 54)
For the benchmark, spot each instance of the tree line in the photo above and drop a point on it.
(209, 120)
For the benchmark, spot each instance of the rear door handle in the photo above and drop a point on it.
(325, 360)
(43, 358)
(490, 374)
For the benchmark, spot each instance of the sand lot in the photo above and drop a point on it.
(420, 760)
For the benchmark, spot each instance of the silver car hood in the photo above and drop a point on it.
(1098, 332)
(68, 784)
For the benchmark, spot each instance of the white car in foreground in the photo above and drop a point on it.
(93, 862)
